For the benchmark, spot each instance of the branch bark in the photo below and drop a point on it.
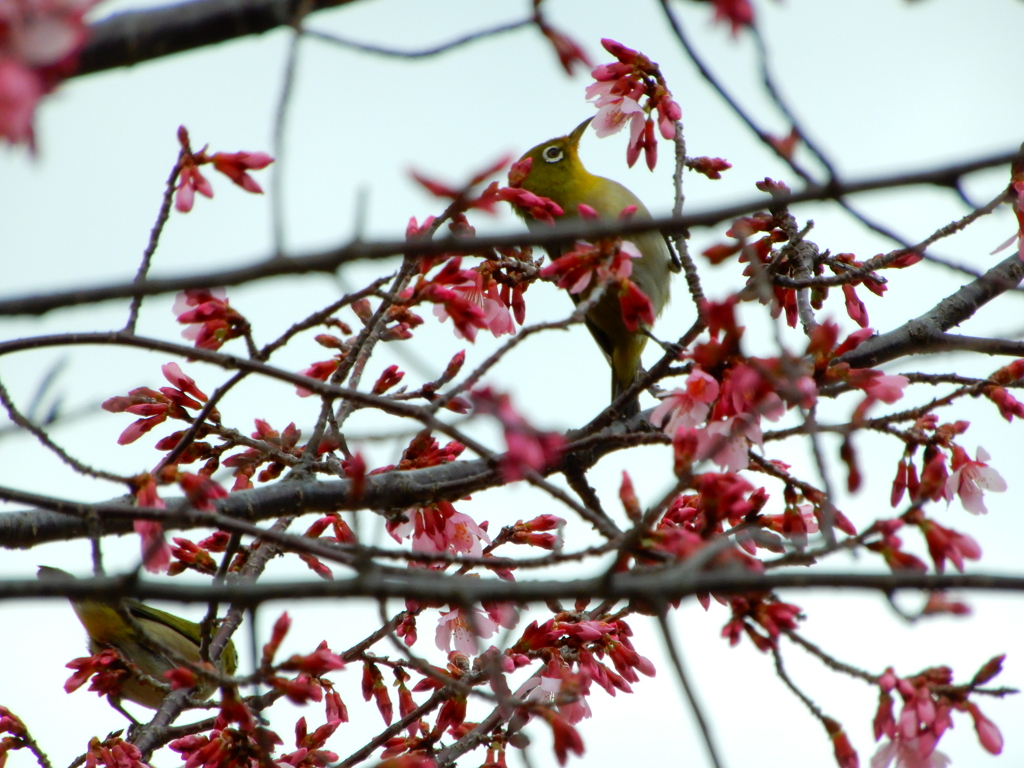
(927, 333)
(661, 584)
(128, 38)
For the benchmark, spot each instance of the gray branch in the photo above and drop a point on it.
(927, 333)
(661, 584)
(131, 37)
(384, 492)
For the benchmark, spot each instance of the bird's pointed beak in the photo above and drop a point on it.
(577, 133)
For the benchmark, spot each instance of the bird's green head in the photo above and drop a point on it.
(557, 172)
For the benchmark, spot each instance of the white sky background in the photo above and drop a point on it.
(882, 85)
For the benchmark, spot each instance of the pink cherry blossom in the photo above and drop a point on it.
(687, 407)
(528, 448)
(907, 755)
(568, 51)
(503, 614)
(558, 681)
(888, 389)
(540, 208)
(190, 182)
(970, 479)
(496, 316)
(439, 528)
(173, 373)
(235, 164)
(855, 307)
(726, 442)
(458, 626)
(614, 111)
(739, 13)
(464, 535)
(669, 112)
(988, 734)
(635, 306)
(746, 391)
(945, 543)
(156, 552)
(20, 91)
(38, 45)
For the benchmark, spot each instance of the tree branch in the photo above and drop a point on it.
(663, 584)
(128, 38)
(926, 333)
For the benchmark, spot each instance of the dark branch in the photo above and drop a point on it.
(131, 37)
(391, 490)
(927, 333)
(423, 52)
(666, 584)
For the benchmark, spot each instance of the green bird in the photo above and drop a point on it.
(107, 628)
(558, 174)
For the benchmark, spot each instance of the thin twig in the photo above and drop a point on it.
(423, 52)
(15, 415)
(281, 116)
(154, 239)
(691, 696)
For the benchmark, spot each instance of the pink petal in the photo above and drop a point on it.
(989, 479)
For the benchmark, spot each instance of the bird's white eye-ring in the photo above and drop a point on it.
(553, 154)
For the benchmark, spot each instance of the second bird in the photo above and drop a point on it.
(558, 174)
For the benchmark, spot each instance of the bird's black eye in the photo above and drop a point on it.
(553, 154)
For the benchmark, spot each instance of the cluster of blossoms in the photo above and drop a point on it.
(113, 752)
(210, 318)
(39, 45)
(156, 407)
(283, 443)
(617, 94)
(398, 324)
(234, 165)
(764, 263)
(573, 649)
(202, 493)
(529, 449)
(1008, 405)
(731, 393)
(693, 521)
(488, 296)
(237, 740)
(969, 478)
(607, 261)
(716, 416)
(929, 699)
(472, 298)
(440, 528)
(105, 671)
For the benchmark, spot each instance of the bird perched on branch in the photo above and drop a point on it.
(555, 172)
(148, 649)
